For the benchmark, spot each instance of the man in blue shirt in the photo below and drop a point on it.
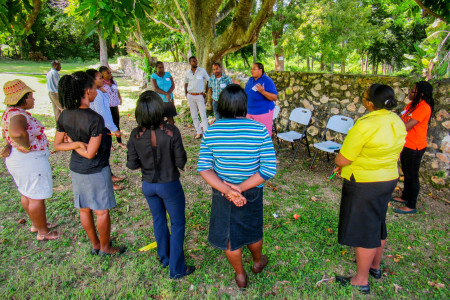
(216, 84)
(52, 85)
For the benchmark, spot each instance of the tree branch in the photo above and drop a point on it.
(428, 11)
(33, 16)
(243, 30)
(186, 24)
(226, 10)
(164, 23)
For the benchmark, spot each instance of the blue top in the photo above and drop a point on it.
(53, 80)
(218, 84)
(101, 106)
(236, 149)
(164, 83)
(257, 104)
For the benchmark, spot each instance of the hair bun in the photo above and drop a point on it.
(390, 103)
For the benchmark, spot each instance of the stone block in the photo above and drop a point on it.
(318, 87)
(438, 180)
(324, 99)
(435, 164)
(335, 111)
(296, 88)
(312, 130)
(315, 93)
(356, 100)
(446, 124)
(345, 101)
(351, 107)
(289, 91)
(361, 109)
(443, 157)
(344, 87)
(307, 105)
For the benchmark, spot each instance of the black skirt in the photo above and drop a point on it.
(362, 217)
(239, 225)
(169, 110)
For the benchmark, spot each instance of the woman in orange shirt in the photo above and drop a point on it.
(416, 117)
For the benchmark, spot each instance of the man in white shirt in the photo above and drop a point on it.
(194, 88)
(52, 85)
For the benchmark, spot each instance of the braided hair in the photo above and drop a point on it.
(424, 92)
(382, 96)
(72, 88)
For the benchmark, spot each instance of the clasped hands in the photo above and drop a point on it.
(234, 194)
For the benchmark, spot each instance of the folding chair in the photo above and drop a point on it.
(276, 113)
(301, 116)
(341, 124)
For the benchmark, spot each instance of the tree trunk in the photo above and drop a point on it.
(103, 50)
(362, 63)
(298, 61)
(255, 60)
(177, 56)
(343, 67)
(367, 62)
(332, 66)
(279, 59)
(322, 63)
(307, 63)
(384, 67)
(312, 63)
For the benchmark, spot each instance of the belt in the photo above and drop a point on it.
(195, 94)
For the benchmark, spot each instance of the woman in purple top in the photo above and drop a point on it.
(261, 95)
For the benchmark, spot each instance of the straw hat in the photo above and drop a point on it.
(15, 90)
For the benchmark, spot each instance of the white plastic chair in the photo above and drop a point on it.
(301, 116)
(338, 123)
(276, 113)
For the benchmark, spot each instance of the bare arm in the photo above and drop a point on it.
(269, 96)
(18, 131)
(185, 88)
(213, 180)
(172, 88)
(340, 162)
(60, 145)
(156, 88)
(410, 124)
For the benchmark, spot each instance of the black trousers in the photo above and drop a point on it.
(410, 160)
(116, 119)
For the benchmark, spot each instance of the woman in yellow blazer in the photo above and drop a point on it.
(368, 164)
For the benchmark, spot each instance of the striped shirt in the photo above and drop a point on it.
(218, 84)
(236, 149)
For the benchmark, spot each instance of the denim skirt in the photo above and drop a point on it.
(238, 225)
(362, 217)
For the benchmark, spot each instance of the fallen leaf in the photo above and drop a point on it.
(21, 221)
(397, 287)
(296, 216)
(344, 252)
(277, 247)
(330, 230)
(314, 198)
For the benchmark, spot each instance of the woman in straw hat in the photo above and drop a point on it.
(27, 155)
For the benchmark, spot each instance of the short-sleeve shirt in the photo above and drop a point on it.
(373, 145)
(53, 80)
(35, 129)
(80, 125)
(417, 136)
(257, 104)
(218, 84)
(113, 93)
(101, 106)
(164, 83)
(236, 149)
(196, 81)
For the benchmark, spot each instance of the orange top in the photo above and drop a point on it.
(417, 136)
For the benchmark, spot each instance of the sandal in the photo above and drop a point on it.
(49, 226)
(51, 235)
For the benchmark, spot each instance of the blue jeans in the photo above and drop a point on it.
(216, 113)
(162, 197)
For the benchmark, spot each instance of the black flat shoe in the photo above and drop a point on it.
(95, 251)
(375, 273)
(189, 271)
(346, 281)
(104, 254)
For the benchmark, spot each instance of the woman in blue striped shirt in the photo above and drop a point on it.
(236, 158)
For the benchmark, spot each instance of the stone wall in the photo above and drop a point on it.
(332, 94)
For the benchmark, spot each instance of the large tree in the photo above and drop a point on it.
(198, 18)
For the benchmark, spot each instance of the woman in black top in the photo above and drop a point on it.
(82, 130)
(158, 150)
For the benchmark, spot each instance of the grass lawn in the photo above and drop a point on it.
(301, 252)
